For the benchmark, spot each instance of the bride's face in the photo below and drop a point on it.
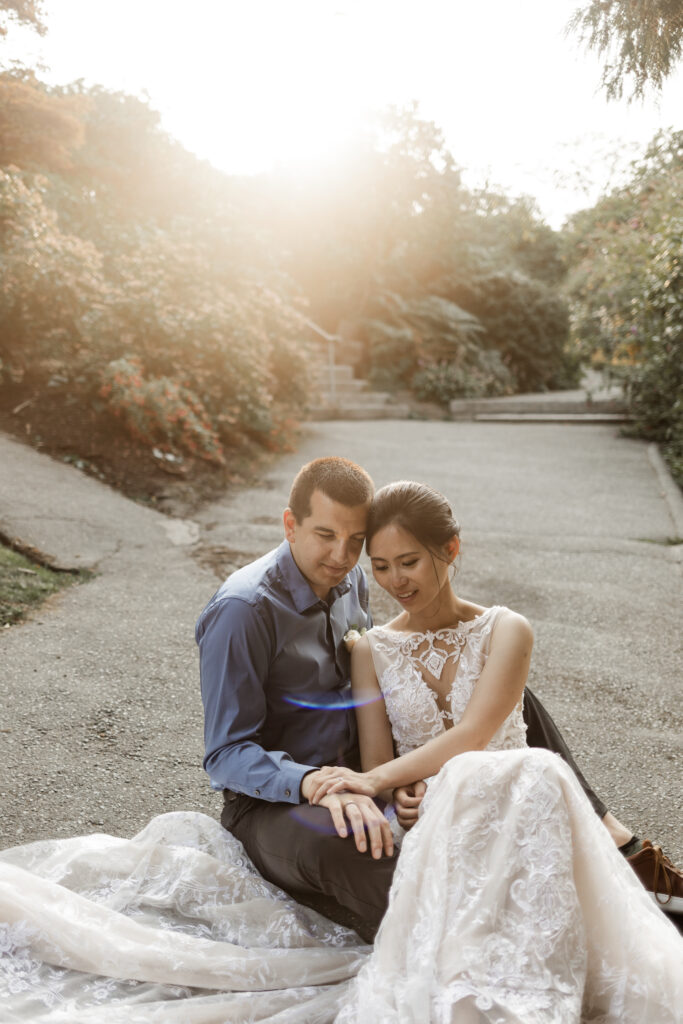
(407, 570)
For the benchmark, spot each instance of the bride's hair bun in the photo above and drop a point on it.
(417, 508)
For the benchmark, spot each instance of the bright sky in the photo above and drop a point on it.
(254, 83)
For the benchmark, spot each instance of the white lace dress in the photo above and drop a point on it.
(510, 903)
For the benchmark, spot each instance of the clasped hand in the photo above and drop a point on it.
(342, 780)
(348, 796)
(367, 823)
(407, 799)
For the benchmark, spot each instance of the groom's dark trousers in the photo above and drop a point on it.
(296, 847)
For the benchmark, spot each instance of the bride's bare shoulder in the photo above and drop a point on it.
(511, 627)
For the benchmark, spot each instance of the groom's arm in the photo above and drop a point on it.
(235, 651)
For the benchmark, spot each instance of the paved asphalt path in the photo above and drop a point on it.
(101, 718)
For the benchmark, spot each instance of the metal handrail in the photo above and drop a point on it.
(331, 340)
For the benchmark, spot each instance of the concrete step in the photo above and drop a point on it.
(339, 371)
(466, 408)
(355, 398)
(578, 402)
(551, 417)
(395, 411)
(345, 387)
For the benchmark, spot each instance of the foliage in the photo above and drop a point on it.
(638, 39)
(408, 333)
(500, 231)
(370, 221)
(626, 287)
(390, 243)
(484, 376)
(51, 281)
(179, 297)
(433, 346)
(656, 380)
(22, 12)
(111, 255)
(523, 319)
(159, 410)
(38, 129)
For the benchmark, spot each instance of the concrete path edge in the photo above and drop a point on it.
(672, 491)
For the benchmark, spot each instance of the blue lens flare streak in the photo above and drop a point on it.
(337, 705)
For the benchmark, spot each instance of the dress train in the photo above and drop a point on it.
(511, 905)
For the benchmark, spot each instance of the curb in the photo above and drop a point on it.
(550, 417)
(670, 489)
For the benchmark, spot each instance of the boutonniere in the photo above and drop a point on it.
(353, 635)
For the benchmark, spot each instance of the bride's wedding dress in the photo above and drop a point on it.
(510, 903)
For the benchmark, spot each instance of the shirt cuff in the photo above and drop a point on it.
(290, 779)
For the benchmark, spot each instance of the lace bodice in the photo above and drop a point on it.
(412, 669)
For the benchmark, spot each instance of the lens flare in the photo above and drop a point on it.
(338, 705)
(315, 822)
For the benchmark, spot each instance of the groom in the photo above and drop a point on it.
(275, 685)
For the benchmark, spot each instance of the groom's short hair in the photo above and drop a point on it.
(339, 479)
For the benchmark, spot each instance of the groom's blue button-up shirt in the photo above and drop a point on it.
(275, 677)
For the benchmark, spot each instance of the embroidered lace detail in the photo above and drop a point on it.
(510, 904)
(412, 701)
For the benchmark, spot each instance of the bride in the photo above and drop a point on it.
(510, 903)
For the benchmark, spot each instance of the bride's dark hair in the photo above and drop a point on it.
(417, 508)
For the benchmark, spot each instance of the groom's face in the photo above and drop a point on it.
(327, 543)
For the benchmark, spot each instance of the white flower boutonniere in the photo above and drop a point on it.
(352, 636)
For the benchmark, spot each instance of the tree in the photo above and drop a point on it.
(130, 270)
(38, 129)
(638, 39)
(626, 286)
(22, 12)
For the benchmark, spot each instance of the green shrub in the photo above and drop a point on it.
(626, 287)
(655, 382)
(523, 319)
(483, 377)
(414, 332)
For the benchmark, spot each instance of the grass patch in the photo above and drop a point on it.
(667, 542)
(24, 585)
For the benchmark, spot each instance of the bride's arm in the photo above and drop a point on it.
(374, 729)
(498, 690)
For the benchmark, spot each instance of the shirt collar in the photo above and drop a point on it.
(297, 584)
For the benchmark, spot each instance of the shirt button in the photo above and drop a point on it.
(288, 792)
(257, 792)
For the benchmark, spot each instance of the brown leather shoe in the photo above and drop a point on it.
(660, 877)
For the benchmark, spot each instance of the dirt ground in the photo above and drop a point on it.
(60, 422)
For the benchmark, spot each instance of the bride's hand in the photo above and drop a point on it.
(407, 800)
(342, 780)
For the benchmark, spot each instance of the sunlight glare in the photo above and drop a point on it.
(273, 84)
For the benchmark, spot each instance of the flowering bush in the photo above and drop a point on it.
(233, 344)
(159, 410)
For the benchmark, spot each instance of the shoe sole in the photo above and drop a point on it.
(673, 906)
